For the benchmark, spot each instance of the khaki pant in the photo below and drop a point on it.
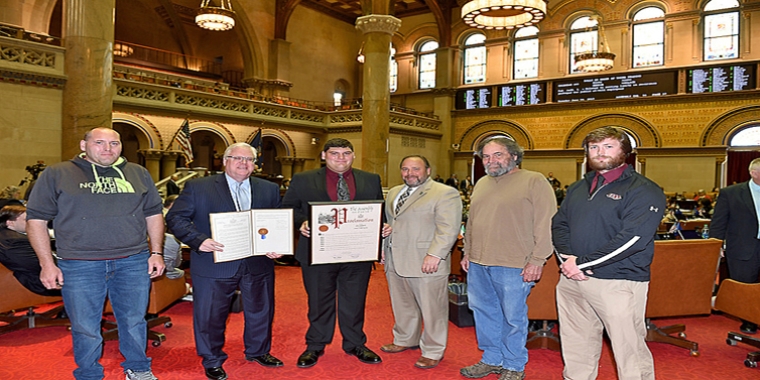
(585, 309)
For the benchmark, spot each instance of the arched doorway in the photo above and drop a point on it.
(132, 140)
(208, 148)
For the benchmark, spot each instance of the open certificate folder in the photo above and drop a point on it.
(252, 233)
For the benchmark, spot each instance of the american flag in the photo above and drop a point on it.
(183, 140)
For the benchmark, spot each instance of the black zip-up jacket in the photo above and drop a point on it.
(611, 232)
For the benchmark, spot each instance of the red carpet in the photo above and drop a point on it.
(46, 353)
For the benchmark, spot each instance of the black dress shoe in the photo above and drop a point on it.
(309, 358)
(365, 355)
(748, 328)
(216, 373)
(266, 360)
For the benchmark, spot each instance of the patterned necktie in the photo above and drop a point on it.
(343, 194)
(244, 202)
(402, 199)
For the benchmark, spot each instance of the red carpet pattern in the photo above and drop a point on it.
(46, 353)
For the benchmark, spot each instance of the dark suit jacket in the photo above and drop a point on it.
(189, 220)
(17, 255)
(735, 222)
(172, 188)
(311, 186)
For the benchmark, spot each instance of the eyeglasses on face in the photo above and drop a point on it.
(240, 159)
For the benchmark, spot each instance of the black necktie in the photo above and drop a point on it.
(599, 182)
(343, 194)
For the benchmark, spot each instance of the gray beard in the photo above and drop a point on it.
(501, 170)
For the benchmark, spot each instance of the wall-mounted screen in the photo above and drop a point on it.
(616, 86)
(521, 94)
(721, 78)
(472, 98)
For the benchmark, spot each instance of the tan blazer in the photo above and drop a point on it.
(428, 222)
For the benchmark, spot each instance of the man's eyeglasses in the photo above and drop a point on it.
(240, 159)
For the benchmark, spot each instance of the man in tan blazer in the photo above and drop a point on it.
(426, 217)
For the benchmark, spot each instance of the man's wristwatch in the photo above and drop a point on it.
(157, 253)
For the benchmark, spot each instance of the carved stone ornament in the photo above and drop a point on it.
(378, 23)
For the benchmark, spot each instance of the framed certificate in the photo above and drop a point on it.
(252, 233)
(345, 231)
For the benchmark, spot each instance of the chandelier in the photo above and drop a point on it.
(503, 14)
(595, 61)
(219, 18)
(122, 50)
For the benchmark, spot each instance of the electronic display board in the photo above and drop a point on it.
(521, 94)
(721, 78)
(616, 86)
(472, 98)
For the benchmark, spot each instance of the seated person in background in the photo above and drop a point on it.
(172, 246)
(10, 193)
(704, 209)
(16, 252)
(702, 195)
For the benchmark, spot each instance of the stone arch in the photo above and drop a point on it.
(720, 129)
(215, 128)
(643, 131)
(150, 138)
(286, 149)
(475, 133)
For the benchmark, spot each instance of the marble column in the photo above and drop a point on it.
(152, 162)
(298, 165)
(378, 30)
(88, 32)
(443, 103)
(169, 162)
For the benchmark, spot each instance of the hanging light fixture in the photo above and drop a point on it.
(599, 60)
(503, 14)
(122, 49)
(219, 18)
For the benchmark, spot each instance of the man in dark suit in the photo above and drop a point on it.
(338, 181)
(453, 181)
(172, 188)
(214, 284)
(735, 222)
(16, 252)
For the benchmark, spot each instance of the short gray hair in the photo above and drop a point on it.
(510, 145)
(239, 145)
(755, 164)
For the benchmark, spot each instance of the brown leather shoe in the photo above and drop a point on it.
(394, 349)
(426, 363)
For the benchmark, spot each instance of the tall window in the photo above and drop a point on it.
(427, 64)
(584, 38)
(526, 53)
(721, 33)
(648, 37)
(475, 59)
(393, 68)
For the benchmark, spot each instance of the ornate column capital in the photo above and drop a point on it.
(151, 154)
(378, 23)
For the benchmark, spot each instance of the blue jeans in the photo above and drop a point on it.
(497, 298)
(127, 283)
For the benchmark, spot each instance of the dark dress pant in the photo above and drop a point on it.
(350, 281)
(212, 298)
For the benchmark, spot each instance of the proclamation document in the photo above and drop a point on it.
(345, 231)
(252, 233)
